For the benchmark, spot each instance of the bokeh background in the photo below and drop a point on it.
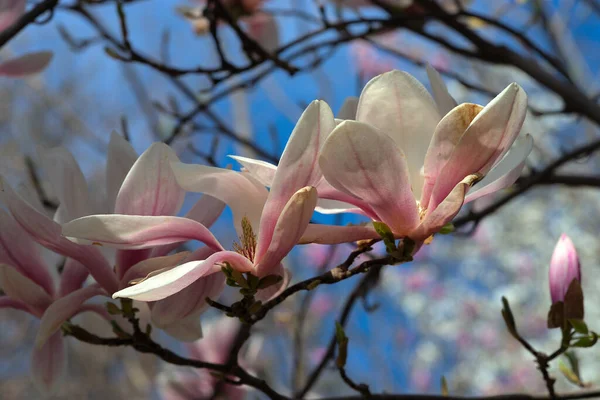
(437, 316)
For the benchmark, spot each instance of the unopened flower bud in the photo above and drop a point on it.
(564, 268)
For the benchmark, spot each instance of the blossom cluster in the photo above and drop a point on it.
(397, 155)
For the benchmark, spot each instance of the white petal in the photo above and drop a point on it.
(505, 173)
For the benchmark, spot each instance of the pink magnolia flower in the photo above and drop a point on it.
(32, 63)
(564, 268)
(261, 26)
(134, 186)
(279, 216)
(29, 287)
(416, 193)
(214, 347)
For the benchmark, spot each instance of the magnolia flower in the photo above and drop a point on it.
(269, 223)
(412, 167)
(416, 194)
(214, 347)
(32, 63)
(261, 26)
(29, 287)
(134, 186)
(564, 268)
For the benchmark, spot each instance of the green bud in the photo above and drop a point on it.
(238, 277)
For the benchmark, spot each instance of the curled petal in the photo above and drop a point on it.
(150, 187)
(62, 310)
(21, 288)
(335, 234)
(262, 171)
(178, 278)
(246, 197)
(400, 106)
(505, 173)
(363, 162)
(289, 229)
(442, 98)
(297, 168)
(447, 135)
(486, 140)
(151, 266)
(68, 183)
(119, 160)
(189, 301)
(445, 211)
(27, 64)
(48, 364)
(48, 233)
(206, 211)
(137, 232)
(7, 302)
(18, 249)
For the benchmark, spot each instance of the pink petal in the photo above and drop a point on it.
(298, 167)
(219, 335)
(400, 106)
(273, 291)
(245, 197)
(444, 212)
(176, 279)
(10, 11)
(349, 108)
(67, 182)
(335, 234)
(185, 330)
(62, 310)
(72, 277)
(206, 211)
(364, 162)
(289, 228)
(443, 100)
(142, 269)
(48, 233)
(150, 187)
(18, 249)
(7, 302)
(325, 206)
(328, 192)
(264, 29)
(262, 171)
(27, 64)
(137, 232)
(119, 160)
(505, 173)
(48, 364)
(564, 268)
(21, 288)
(447, 135)
(486, 140)
(190, 301)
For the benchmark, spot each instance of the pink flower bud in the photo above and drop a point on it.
(564, 267)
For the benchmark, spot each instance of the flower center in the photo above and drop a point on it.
(247, 243)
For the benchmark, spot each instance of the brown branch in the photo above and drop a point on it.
(26, 19)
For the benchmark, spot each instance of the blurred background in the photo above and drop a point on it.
(437, 316)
